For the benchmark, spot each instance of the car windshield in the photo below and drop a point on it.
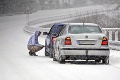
(77, 29)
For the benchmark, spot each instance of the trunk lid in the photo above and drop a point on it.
(86, 40)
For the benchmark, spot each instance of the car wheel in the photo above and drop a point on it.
(61, 60)
(105, 60)
(46, 53)
(54, 59)
(51, 53)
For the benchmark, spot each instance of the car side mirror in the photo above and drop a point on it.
(45, 33)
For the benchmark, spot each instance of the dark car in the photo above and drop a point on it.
(51, 36)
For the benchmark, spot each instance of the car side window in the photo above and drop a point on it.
(52, 29)
(60, 28)
(62, 31)
(56, 28)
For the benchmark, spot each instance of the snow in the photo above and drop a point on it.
(16, 64)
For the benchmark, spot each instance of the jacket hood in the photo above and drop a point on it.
(36, 33)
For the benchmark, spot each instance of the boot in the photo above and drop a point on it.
(34, 54)
(30, 53)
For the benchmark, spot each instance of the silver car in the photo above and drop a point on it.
(81, 41)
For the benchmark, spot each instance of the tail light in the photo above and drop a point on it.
(104, 41)
(68, 41)
(53, 39)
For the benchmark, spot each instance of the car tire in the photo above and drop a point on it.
(51, 53)
(105, 60)
(46, 53)
(61, 60)
(54, 59)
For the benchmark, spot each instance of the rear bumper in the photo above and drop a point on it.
(85, 51)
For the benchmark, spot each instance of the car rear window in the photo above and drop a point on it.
(77, 29)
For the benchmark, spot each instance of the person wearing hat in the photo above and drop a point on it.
(33, 44)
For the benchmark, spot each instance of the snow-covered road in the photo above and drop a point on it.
(16, 64)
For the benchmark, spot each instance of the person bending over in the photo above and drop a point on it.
(33, 44)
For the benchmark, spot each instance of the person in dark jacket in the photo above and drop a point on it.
(33, 44)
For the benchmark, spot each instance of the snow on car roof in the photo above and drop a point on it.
(91, 24)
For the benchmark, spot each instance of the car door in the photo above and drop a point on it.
(56, 28)
(48, 38)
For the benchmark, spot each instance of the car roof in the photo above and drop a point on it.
(57, 23)
(90, 24)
